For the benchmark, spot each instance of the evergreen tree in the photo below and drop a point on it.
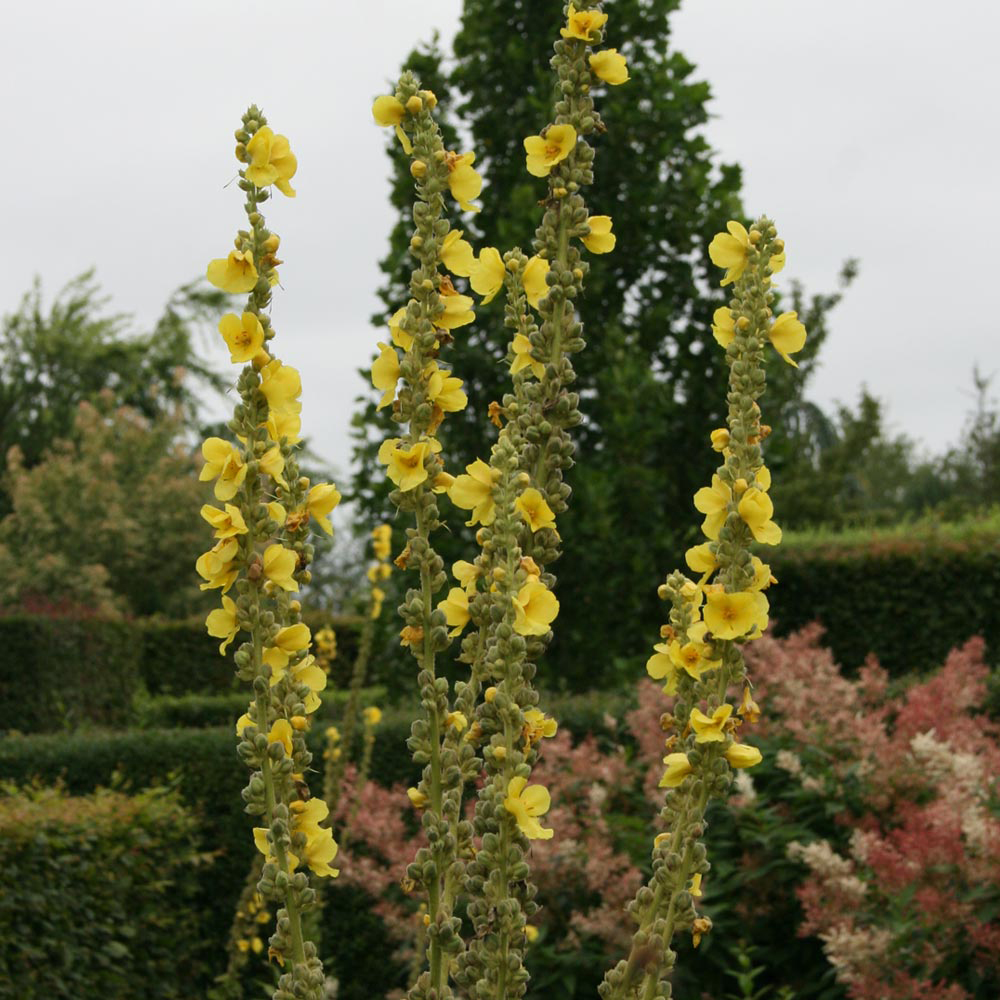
(652, 378)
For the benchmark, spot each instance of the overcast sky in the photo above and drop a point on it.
(872, 132)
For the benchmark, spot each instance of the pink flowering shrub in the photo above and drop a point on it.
(905, 905)
(871, 829)
(583, 880)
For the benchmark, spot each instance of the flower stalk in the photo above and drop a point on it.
(263, 551)
(701, 659)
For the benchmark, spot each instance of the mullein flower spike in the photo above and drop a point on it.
(263, 552)
(710, 619)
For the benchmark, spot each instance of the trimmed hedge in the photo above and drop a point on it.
(202, 765)
(182, 658)
(60, 673)
(100, 897)
(907, 600)
(202, 711)
(56, 673)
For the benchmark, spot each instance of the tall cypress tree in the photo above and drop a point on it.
(652, 378)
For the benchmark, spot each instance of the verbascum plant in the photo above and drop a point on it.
(340, 740)
(711, 618)
(513, 605)
(426, 394)
(506, 593)
(262, 551)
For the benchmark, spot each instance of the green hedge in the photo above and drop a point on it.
(100, 898)
(56, 673)
(61, 673)
(908, 600)
(202, 765)
(182, 658)
(202, 711)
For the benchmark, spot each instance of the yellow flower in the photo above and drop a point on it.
(530, 933)
(402, 339)
(457, 254)
(701, 559)
(271, 161)
(723, 326)
(710, 729)
(740, 755)
(221, 623)
(730, 251)
(243, 722)
(720, 439)
(729, 616)
(244, 336)
(322, 499)
(600, 238)
(279, 565)
(487, 274)
(385, 373)
(535, 285)
(389, 111)
(372, 716)
(456, 721)
(457, 308)
(227, 523)
(678, 768)
(475, 492)
(224, 462)
(320, 847)
(762, 578)
(234, 274)
(583, 23)
(756, 509)
(272, 463)
(285, 424)
(544, 152)
(610, 66)
(532, 507)
(788, 335)
(535, 608)
(526, 803)
(307, 671)
(216, 566)
(713, 501)
(466, 574)
(695, 888)
(538, 726)
(444, 390)
(749, 709)
(463, 182)
(290, 640)
(381, 541)
(456, 610)
(404, 466)
(521, 346)
(281, 385)
(277, 513)
(417, 798)
(694, 656)
(660, 666)
(281, 732)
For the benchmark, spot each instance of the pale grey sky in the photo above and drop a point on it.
(871, 132)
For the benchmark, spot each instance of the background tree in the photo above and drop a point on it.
(652, 376)
(52, 360)
(106, 520)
